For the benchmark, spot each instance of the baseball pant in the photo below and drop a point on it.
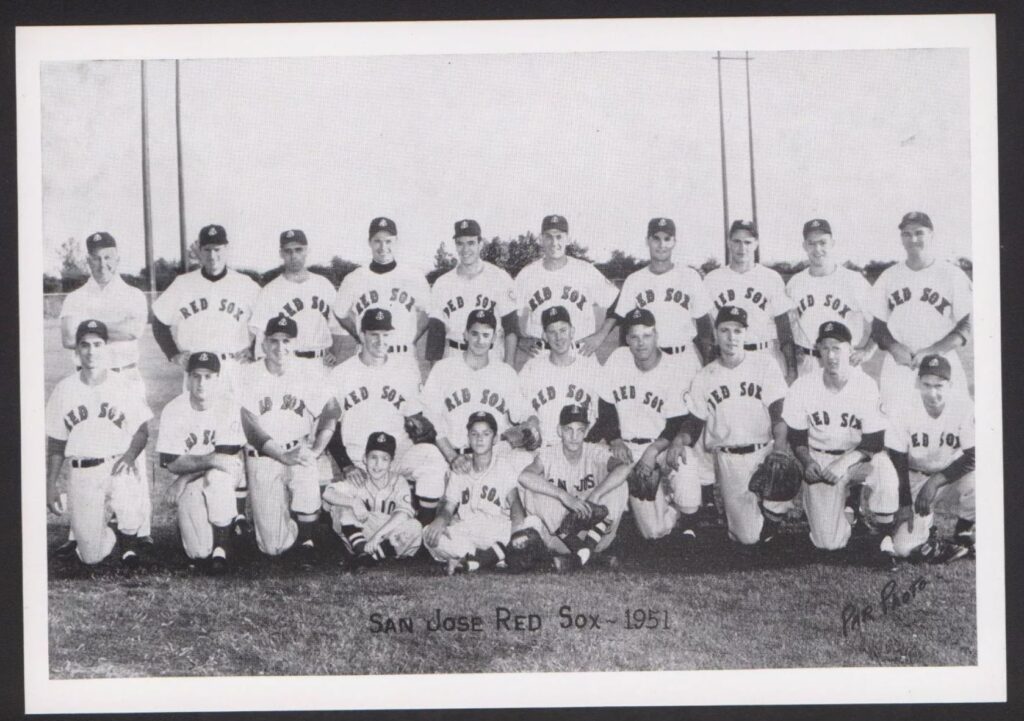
(470, 533)
(545, 514)
(825, 504)
(898, 384)
(657, 518)
(959, 495)
(275, 491)
(405, 538)
(705, 461)
(93, 494)
(424, 466)
(206, 502)
(742, 507)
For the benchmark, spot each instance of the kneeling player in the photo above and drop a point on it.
(573, 494)
(200, 442)
(482, 497)
(375, 519)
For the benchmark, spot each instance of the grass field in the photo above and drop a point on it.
(725, 608)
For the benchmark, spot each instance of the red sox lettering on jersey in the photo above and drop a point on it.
(106, 411)
(372, 298)
(570, 295)
(822, 420)
(941, 440)
(671, 295)
(485, 397)
(457, 303)
(751, 295)
(841, 307)
(295, 305)
(928, 296)
(628, 392)
(388, 394)
(574, 394)
(198, 305)
(746, 389)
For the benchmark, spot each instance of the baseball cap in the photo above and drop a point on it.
(554, 222)
(294, 236)
(381, 441)
(91, 327)
(747, 225)
(98, 241)
(466, 227)
(382, 224)
(665, 225)
(817, 225)
(376, 319)
(553, 314)
(638, 316)
(572, 413)
(203, 359)
(916, 216)
(482, 417)
(834, 329)
(731, 313)
(213, 235)
(281, 324)
(935, 365)
(481, 315)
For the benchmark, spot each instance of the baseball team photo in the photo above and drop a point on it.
(415, 364)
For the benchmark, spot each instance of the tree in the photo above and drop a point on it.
(874, 268)
(709, 265)
(620, 265)
(74, 270)
(443, 262)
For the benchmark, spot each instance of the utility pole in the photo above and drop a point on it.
(181, 183)
(725, 181)
(147, 211)
(750, 139)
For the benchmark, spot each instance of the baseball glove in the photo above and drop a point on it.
(643, 481)
(419, 429)
(526, 550)
(522, 436)
(572, 523)
(778, 478)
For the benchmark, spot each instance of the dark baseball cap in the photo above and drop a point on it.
(213, 235)
(203, 359)
(482, 417)
(553, 314)
(98, 241)
(731, 313)
(817, 225)
(917, 217)
(481, 315)
(281, 324)
(382, 224)
(836, 330)
(572, 413)
(376, 319)
(91, 327)
(466, 227)
(638, 316)
(554, 222)
(935, 365)
(293, 236)
(381, 441)
(664, 225)
(747, 225)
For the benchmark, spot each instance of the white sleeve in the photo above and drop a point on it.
(603, 290)
(71, 307)
(863, 294)
(794, 412)
(343, 300)
(55, 415)
(873, 421)
(780, 302)
(880, 298)
(701, 304)
(896, 436)
(695, 400)
(169, 433)
(165, 306)
(422, 290)
(963, 295)
(505, 295)
(775, 387)
(967, 430)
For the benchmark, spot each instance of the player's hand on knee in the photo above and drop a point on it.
(462, 464)
(904, 514)
(54, 502)
(830, 477)
(675, 456)
(621, 451)
(925, 497)
(123, 464)
(330, 360)
(813, 474)
(433, 532)
(355, 475)
(576, 505)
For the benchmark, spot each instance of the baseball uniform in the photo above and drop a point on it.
(677, 298)
(402, 291)
(547, 387)
(308, 303)
(372, 506)
(454, 296)
(578, 286)
(761, 293)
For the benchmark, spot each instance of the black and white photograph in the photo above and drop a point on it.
(369, 359)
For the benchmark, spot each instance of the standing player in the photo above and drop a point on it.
(473, 283)
(483, 496)
(385, 284)
(100, 426)
(922, 307)
(200, 442)
(931, 442)
(760, 292)
(557, 279)
(826, 291)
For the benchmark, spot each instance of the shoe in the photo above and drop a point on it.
(949, 552)
(609, 560)
(768, 532)
(452, 567)
(218, 562)
(564, 564)
(66, 550)
(130, 559)
(240, 526)
(306, 556)
(145, 541)
(688, 537)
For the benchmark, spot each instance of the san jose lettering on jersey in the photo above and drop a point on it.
(485, 397)
(395, 296)
(829, 301)
(585, 483)
(671, 295)
(357, 395)
(107, 411)
(569, 295)
(747, 389)
(928, 296)
(453, 305)
(573, 394)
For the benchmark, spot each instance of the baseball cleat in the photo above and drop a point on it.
(949, 552)
(130, 559)
(218, 562)
(66, 549)
(689, 537)
(306, 555)
(452, 567)
(240, 525)
(565, 564)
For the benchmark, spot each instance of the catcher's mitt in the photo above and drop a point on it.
(419, 429)
(525, 550)
(643, 481)
(522, 436)
(778, 478)
(573, 523)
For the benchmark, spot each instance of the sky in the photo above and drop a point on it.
(607, 139)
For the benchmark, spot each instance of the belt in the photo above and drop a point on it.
(310, 353)
(456, 345)
(118, 369)
(224, 356)
(398, 348)
(808, 351)
(91, 462)
(544, 344)
(673, 349)
(757, 346)
(639, 441)
(831, 453)
(253, 453)
(741, 450)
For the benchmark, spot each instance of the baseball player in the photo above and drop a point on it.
(374, 392)
(376, 519)
(200, 442)
(100, 426)
(560, 377)
(558, 279)
(921, 307)
(280, 409)
(482, 496)
(124, 310)
(385, 284)
(837, 432)
(642, 401)
(674, 294)
(572, 477)
(760, 292)
(826, 291)
(931, 443)
(473, 283)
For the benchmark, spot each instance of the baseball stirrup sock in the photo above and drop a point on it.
(426, 509)
(707, 495)
(305, 531)
(221, 536)
(353, 538)
(964, 532)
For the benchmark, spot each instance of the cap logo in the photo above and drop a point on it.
(92, 324)
(290, 234)
(212, 231)
(96, 237)
(282, 321)
(828, 326)
(933, 362)
(383, 223)
(661, 223)
(204, 357)
(380, 315)
(380, 438)
(554, 218)
(464, 225)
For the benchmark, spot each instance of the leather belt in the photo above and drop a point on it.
(310, 353)
(757, 346)
(673, 349)
(91, 462)
(741, 450)
(456, 345)
(225, 356)
(398, 348)
(544, 344)
(128, 367)
(808, 351)
(639, 441)
(831, 453)
(253, 453)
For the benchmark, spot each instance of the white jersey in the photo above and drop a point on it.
(375, 399)
(548, 388)
(307, 303)
(95, 421)
(210, 315)
(578, 478)
(760, 291)
(834, 420)
(577, 286)
(115, 302)
(287, 406)
(453, 297)
(932, 443)
(843, 295)
(487, 491)
(734, 401)
(677, 298)
(644, 400)
(454, 391)
(394, 495)
(186, 431)
(922, 306)
(403, 291)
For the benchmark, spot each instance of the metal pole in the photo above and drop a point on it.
(181, 182)
(725, 184)
(147, 211)
(750, 138)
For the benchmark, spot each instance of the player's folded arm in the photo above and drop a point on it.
(881, 333)
(165, 339)
(960, 467)
(673, 427)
